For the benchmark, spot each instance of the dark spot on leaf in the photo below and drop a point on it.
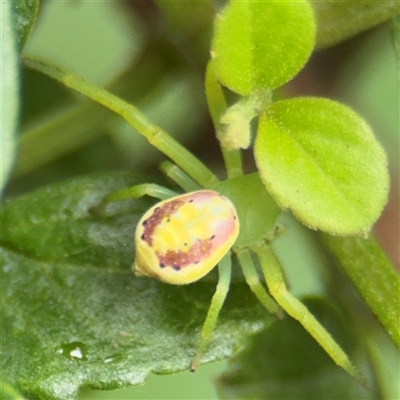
(144, 222)
(142, 237)
(162, 265)
(212, 237)
(177, 267)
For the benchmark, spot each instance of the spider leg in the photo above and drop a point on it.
(149, 189)
(252, 279)
(224, 271)
(179, 177)
(297, 310)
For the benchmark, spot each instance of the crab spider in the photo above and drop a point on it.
(207, 209)
(256, 212)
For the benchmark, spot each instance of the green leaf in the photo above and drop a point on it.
(340, 20)
(319, 159)
(262, 44)
(9, 91)
(374, 277)
(74, 314)
(284, 362)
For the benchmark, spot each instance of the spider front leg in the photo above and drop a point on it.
(275, 281)
(173, 172)
(143, 189)
(153, 190)
(224, 272)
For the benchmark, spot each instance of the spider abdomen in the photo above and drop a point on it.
(181, 239)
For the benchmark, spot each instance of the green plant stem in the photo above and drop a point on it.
(217, 106)
(233, 162)
(154, 134)
(374, 277)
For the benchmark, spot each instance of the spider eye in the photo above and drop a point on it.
(181, 239)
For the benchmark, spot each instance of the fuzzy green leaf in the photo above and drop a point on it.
(74, 314)
(260, 45)
(319, 159)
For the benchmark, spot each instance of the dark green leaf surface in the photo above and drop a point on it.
(340, 20)
(9, 71)
(284, 362)
(260, 45)
(74, 314)
(319, 159)
(24, 13)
